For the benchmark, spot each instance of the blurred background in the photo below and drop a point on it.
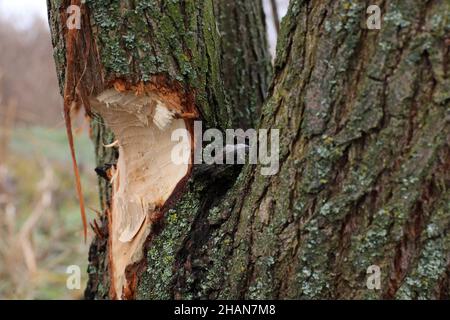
(40, 225)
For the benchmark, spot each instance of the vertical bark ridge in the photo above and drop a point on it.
(244, 43)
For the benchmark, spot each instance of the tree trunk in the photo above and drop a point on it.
(245, 59)
(364, 173)
(184, 48)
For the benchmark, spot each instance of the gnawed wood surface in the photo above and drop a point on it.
(145, 175)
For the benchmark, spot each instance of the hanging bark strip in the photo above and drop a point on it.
(70, 102)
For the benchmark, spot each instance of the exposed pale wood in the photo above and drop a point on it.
(145, 176)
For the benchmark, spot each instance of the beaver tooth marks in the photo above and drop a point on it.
(145, 176)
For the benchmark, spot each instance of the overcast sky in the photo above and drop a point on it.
(23, 11)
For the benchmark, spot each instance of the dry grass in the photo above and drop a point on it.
(41, 229)
(39, 220)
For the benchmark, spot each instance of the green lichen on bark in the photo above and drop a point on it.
(161, 256)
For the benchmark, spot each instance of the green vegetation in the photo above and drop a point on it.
(38, 165)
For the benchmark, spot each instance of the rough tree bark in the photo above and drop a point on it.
(364, 156)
